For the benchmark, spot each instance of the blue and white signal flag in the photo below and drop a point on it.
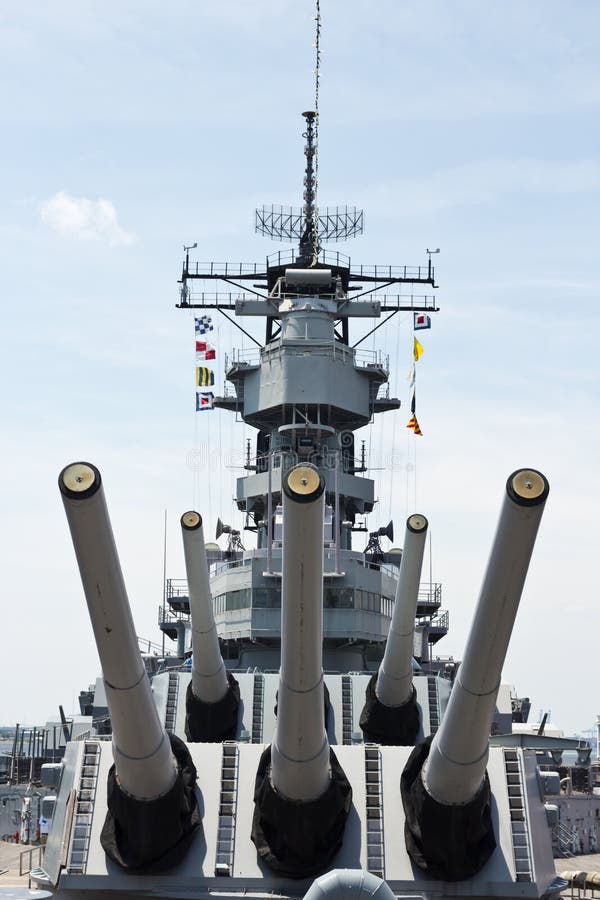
(421, 321)
(203, 324)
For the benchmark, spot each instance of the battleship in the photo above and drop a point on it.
(302, 741)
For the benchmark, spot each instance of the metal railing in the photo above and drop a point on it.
(387, 273)
(147, 646)
(401, 301)
(562, 838)
(288, 257)
(166, 615)
(253, 356)
(224, 269)
(216, 298)
(176, 588)
(217, 568)
(430, 593)
(26, 859)
(441, 620)
(328, 257)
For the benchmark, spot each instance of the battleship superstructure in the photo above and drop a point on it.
(302, 752)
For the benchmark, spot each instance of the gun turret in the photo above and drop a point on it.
(302, 796)
(146, 784)
(445, 789)
(213, 695)
(391, 714)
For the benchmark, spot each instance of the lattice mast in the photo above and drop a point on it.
(309, 242)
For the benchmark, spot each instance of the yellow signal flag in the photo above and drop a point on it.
(417, 350)
(204, 377)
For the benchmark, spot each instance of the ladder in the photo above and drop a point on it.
(227, 810)
(347, 712)
(518, 816)
(374, 809)
(171, 710)
(258, 703)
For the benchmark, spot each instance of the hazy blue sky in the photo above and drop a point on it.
(131, 128)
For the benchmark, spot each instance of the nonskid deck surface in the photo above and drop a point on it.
(373, 840)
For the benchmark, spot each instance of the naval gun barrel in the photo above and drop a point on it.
(213, 694)
(300, 751)
(302, 796)
(445, 788)
(144, 762)
(391, 713)
(394, 679)
(455, 768)
(209, 678)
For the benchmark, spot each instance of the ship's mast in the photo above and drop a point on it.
(309, 242)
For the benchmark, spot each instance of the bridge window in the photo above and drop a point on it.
(266, 598)
(339, 598)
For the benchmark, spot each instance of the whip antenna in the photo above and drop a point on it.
(316, 247)
(308, 225)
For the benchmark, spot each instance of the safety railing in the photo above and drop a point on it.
(165, 616)
(289, 257)
(389, 273)
(253, 356)
(26, 861)
(224, 269)
(227, 299)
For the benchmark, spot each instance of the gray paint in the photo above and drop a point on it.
(195, 875)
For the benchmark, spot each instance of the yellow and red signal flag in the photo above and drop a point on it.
(414, 425)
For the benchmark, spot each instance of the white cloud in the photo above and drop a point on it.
(84, 219)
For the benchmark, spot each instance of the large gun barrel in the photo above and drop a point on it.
(391, 713)
(302, 796)
(455, 767)
(394, 679)
(300, 751)
(213, 695)
(144, 762)
(209, 678)
(445, 789)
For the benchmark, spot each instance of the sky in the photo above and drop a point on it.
(133, 128)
